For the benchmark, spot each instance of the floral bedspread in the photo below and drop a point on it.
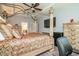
(30, 42)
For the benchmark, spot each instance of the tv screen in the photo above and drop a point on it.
(47, 23)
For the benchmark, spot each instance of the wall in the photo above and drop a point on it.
(41, 24)
(17, 19)
(63, 13)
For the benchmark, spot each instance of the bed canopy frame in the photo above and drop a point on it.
(45, 48)
(22, 10)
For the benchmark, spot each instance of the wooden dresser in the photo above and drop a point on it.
(71, 31)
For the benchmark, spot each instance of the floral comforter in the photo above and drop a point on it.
(30, 42)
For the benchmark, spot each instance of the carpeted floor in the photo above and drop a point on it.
(55, 53)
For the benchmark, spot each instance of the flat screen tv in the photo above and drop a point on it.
(47, 23)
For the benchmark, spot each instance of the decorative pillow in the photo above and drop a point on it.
(9, 26)
(2, 37)
(16, 33)
(17, 27)
(3, 33)
(6, 30)
(2, 20)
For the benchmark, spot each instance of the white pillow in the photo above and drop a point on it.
(6, 29)
(16, 33)
(2, 20)
(1, 37)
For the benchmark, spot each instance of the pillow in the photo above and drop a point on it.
(2, 20)
(16, 33)
(6, 30)
(9, 26)
(2, 37)
(17, 27)
(3, 34)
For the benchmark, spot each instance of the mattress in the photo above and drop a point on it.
(29, 42)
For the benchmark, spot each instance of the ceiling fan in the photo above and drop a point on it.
(33, 7)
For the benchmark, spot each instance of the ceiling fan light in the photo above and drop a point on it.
(32, 8)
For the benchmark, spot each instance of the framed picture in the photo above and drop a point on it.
(47, 23)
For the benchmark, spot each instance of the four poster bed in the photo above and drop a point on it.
(13, 43)
(16, 43)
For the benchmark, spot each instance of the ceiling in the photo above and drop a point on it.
(10, 8)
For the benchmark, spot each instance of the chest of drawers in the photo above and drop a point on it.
(71, 31)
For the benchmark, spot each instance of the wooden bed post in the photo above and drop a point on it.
(51, 21)
(51, 28)
(35, 24)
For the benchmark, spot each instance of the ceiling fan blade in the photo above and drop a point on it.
(26, 4)
(35, 5)
(38, 9)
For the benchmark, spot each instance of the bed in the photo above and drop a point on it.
(29, 45)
